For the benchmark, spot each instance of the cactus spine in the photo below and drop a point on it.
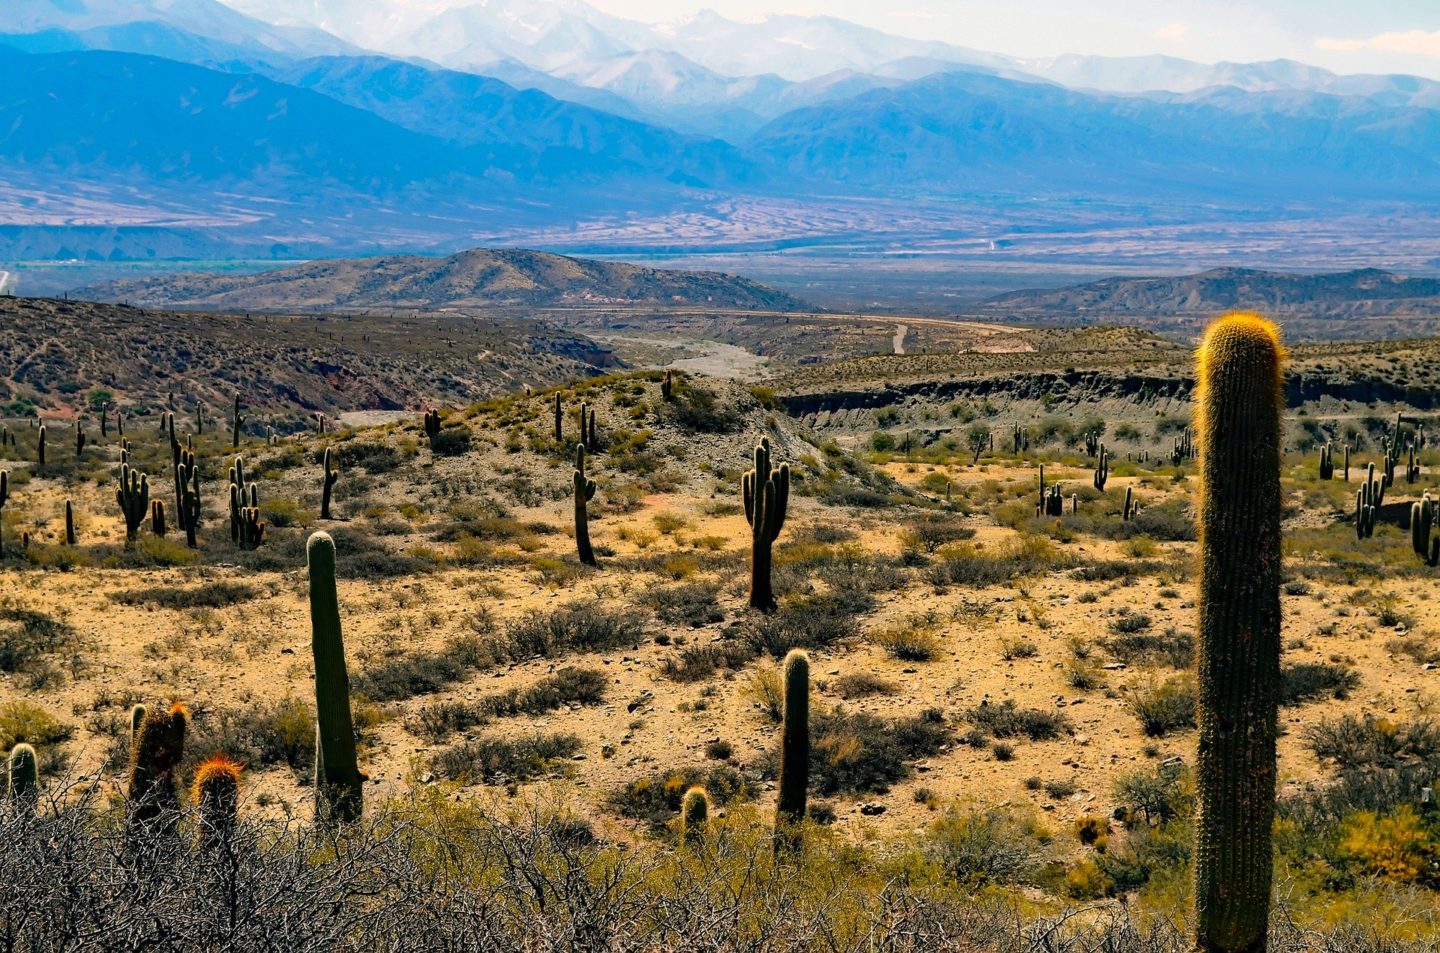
(794, 744)
(694, 814)
(338, 791)
(1239, 405)
(133, 496)
(22, 777)
(156, 749)
(584, 492)
(766, 494)
(216, 796)
(331, 475)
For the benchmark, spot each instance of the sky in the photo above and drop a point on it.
(1349, 36)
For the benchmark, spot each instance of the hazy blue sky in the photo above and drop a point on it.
(1346, 35)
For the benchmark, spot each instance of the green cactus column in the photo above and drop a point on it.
(766, 495)
(22, 777)
(584, 493)
(4, 498)
(338, 791)
(559, 419)
(1239, 406)
(794, 747)
(237, 420)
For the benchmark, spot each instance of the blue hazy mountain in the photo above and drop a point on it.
(968, 131)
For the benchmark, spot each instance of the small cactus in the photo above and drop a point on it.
(794, 779)
(216, 796)
(584, 489)
(156, 749)
(331, 475)
(694, 814)
(766, 495)
(338, 782)
(22, 777)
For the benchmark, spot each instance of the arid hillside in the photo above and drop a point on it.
(471, 279)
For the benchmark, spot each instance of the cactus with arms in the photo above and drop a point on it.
(584, 493)
(1239, 401)
(332, 473)
(766, 495)
(338, 781)
(133, 496)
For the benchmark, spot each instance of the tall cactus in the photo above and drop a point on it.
(40, 446)
(237, 420)
(79, 440)
(216, 796)
(1327, 463)
(133, 497)
(187, 485)
(559, 419)
(22, 777)
(694, 814)
(1239, 403)
(584, 492)
(667, 388)
(432, 426)
(69, 523)
(4, 498)
(157, 517)
(338, 782)
(1102, 469)
(331, 475)
(156, 749)
(794, 744)
(766, 495)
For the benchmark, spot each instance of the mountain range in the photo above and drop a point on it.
(272, 129)
(478, 277)
(1350, 293)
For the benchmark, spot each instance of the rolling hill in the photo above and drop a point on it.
(1338, 294)
(476, 278)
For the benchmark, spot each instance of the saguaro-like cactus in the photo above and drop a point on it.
(559, 419)
(4, 498)
(133, 497)
(584, 493)
(69, 523)
(40, 446)
(667, 388)
(338, 782)
(79, 440)
(237, 420)
(794, 744)
(1327, 463)
(1102, 469)
(22, 777)
(1129, 512)
(694, 814)
(1239, 405)
(432, 426)
(331, 475)
(156, 749)
(766, 494)
(157, 517)
(216, 796)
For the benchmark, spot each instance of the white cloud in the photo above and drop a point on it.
(1173, 32)
(1415, 42)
